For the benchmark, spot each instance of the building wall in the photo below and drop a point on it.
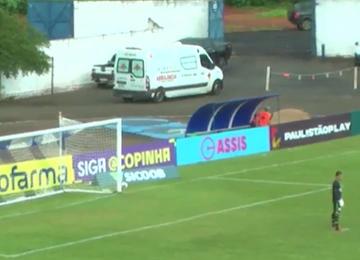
(337, 26)
(99, 36)
(178, 18)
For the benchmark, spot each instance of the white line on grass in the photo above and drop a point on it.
(21, 214)
(243, 171)
(149, 188)
(165, 224)
(277, 165)
(268, 181)
(345, 230)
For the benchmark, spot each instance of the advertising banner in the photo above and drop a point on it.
(35, 174)
(151, 174)
(191, 150)
(355, 123)
(310, 131)
(152, 155)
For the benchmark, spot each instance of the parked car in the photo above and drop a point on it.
(219, 51)
(165, 72)
(301, 15)
(103, 74)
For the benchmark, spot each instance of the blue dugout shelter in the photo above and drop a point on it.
(225, 115)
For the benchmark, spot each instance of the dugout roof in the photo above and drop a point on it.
(225, 115)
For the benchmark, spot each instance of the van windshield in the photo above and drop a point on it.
(206, 62)
(133, 66)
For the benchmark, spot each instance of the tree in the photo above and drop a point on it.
(14, 6)
(20, 46)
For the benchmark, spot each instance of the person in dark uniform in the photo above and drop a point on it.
(337, 201)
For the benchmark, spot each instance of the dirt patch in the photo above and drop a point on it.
(239, 20)
(289, 115)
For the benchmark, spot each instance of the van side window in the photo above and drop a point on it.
(206, 62)
(188, 63)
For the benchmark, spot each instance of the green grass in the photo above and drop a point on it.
(273, 13)
(269, 11)
(231, 29)
(232, 217)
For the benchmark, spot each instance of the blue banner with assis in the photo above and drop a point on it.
(225, 145)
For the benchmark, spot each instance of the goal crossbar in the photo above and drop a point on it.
(59, 129)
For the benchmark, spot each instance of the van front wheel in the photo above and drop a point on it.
(159, 95)
(217, 88)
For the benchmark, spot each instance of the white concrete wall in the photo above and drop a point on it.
(179, 18)
(337, 26)
(99, 36)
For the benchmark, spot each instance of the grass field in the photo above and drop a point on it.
(274, 12)
(274, 206)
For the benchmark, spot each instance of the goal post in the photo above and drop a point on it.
(64, 121)
(48, 162)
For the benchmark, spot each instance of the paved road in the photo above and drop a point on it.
(244, 77)
(292, 43)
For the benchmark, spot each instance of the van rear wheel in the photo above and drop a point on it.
(217, 88)
(159, 95)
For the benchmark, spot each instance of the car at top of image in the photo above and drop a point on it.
(103, 74)
(301, 14)
(219, 51)
(166, 71)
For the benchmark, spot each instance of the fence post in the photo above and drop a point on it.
(356, 70)
(267, 83)
(323, 51)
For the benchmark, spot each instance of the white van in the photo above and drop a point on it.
(165, 72)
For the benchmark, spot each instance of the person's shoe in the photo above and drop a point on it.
(337, 228)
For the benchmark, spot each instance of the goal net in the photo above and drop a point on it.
(77, 157)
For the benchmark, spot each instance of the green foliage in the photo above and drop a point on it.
(273, 12)
(20, 47)
(241, 3)
(14, 6)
